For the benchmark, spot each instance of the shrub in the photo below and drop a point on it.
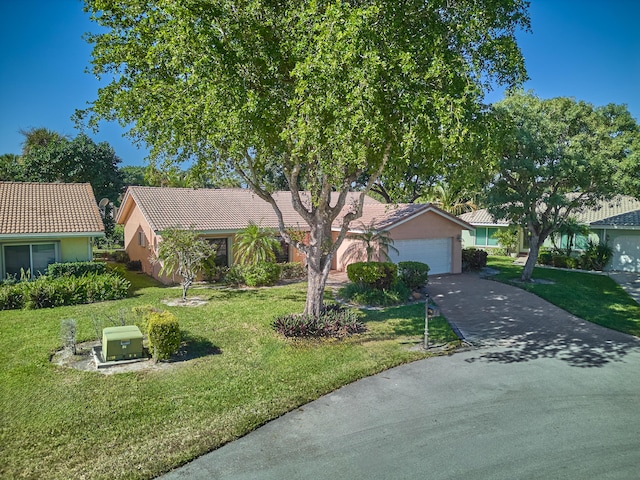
(235, 275)
(12, 296)
(545, 258)
(413, 274)
(134, 265)
(473, 259)
(378, 275)
(596, 256)
(164, 334)
(292, 271)
(75, 269)
(212, 272)
(559, 260)
(573, 262)
(45, 292)
(121, 256)
(261, 274)
(335, 321)
(362, 294)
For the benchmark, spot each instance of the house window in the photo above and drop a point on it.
(222, 249)
(484, 237)
(142, 240)
(33, 258)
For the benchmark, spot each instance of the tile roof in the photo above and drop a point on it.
(40, 208)
(481, 217)
(225, 209)
(384, 216)
(620, 211)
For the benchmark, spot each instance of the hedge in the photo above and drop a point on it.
(379, 275)
(45, 292)
(75, 269)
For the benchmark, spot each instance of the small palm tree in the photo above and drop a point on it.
(571, 228)
(372, 238)
(255, 244)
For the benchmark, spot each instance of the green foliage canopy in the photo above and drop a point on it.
(557, 157)
(329, 93)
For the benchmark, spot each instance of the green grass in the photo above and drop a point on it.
(592, 297)
(57, 422)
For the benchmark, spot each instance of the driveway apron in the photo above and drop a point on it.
(489, 313)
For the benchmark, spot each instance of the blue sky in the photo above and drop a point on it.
(586, 49)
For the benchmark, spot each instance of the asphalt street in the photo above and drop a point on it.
(564, 406)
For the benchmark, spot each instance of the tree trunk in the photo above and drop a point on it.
(534, 248)
(318, 267)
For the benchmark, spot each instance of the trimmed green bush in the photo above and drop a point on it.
(378, 275)
(255, 275)
(545, 258)
(164, 334)
(335, 321)
(413, 274)
(292, 271)
(261, 274)
(473, 259)
(596, 256)
(75, 269)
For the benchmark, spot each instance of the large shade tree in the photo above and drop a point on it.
(50, 157)
(326, 92)
(557, 157)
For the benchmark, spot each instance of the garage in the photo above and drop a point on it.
(626, 253)
(435, 252)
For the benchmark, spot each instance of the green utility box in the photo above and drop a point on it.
(121, 343)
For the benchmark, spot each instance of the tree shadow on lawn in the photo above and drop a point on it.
(194, 346)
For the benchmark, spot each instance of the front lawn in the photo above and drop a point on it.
(57, 422)
(592, 297)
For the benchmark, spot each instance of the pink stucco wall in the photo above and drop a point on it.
(427, 225)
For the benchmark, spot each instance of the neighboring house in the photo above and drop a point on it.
(420, 232)
(44, 223)
(615, 222)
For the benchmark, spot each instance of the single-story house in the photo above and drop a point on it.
(615, 222)
(44, 223)
(421, 232)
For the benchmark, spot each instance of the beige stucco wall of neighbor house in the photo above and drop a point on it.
(75, 249)
(139, 240)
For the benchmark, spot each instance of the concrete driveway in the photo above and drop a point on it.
(544, 396)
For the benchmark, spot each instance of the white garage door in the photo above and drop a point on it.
(626, 253)
(435, 252)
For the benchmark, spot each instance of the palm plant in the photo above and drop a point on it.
(255, 244)
(571, 228)
(445, 197)
(372, 238)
